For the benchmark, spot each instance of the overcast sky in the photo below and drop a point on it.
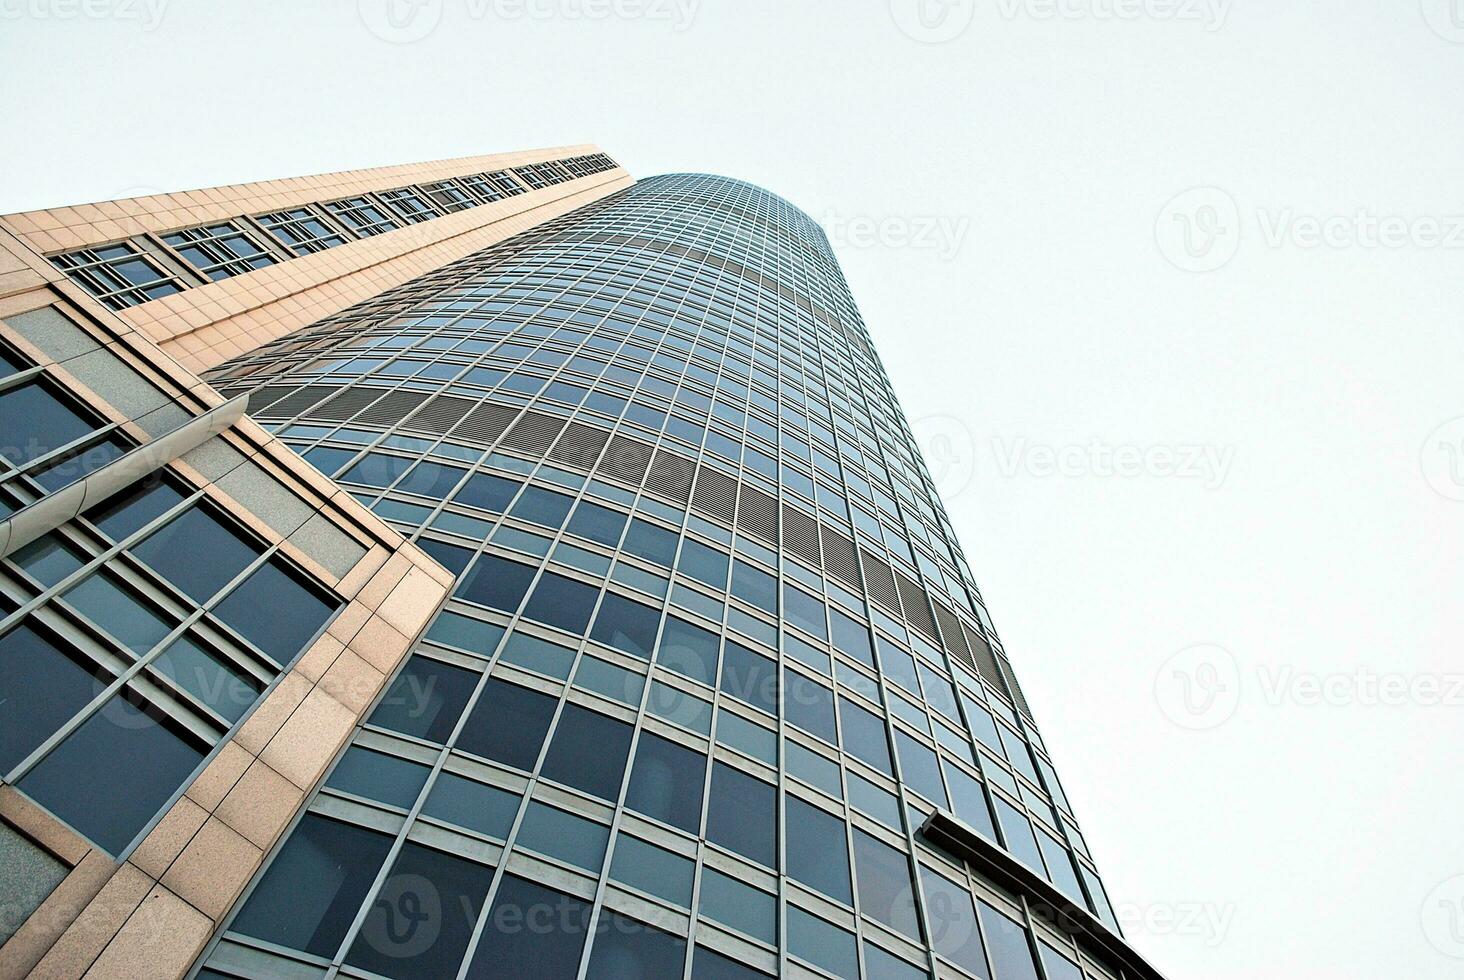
(1171, 289)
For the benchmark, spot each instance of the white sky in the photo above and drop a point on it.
(1041, 317)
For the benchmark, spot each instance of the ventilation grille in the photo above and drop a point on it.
(670, 475)
(880, 582)
(625, 460)
(757, 514)
(985, 659)
(292, 405)
(952, 634)
(485, 423)
(534, 433)
(265, 397)
(345, 405)
(917, 609)
(800, 535)
(439, 415)
(579, 446)
(839, 558)
(716, 495)
(1018, 697)
(391, 408)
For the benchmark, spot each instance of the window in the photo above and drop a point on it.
(461, 801)
(920, 769)
(431, 480)
(411, 205)
(449, 556)
(219, 251)
(822, 943)
(465, 633)
(706, 565)
(880, 965)
(544, 507)
(968, 799)
(42, 685)
(626, 949)
(738, 905)
(596, 523)
(654, 544)
(118, 275)
(666, 782)
(562, 602)
(439, 897)
(276, 611)
(1060, 866)
(80, 462)
(818, 854)
(688, 650)
(804, 611)
(362, 215)
(809, 705)
(951, 913)
(488, 492)
(496, 583)
(376, 470)
(750, 677)
(532, 931)
(1057, 966)
(850, 637)
(588, 752)
(225, 688)
(34, 422)
(111, 775)
(1011, 954)
(882, 875)
(654, 870)
(425, 699)
(1016, 831)
(378, 776)
(533, 653)
(134, 624)
(311, 892)
(627, 626)
(507, 724)
(755, 587)
(123, 515)
(864, 736)
(565, 836)
(742, 815)
(707, 965)
(301, 230)
(448, 196)
(197, 552)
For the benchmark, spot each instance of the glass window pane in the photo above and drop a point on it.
(312, 890)
(449, 556)
(804, 611)
(376, 470)
(611, 680)
(596, 523)
(508, 724)
(654, 870)
(1057, 966)
(651, 542)
(496, 583)
(626, 949)
(679, 708)
(1016, 832)
(276, 612)
(588, 752)
(666, 782)
(48, 560)
(112, 775)
(532, 931)
(42, 684)
(951, 913)
(709, 965)
(432, 480)
(818, 854)
(486, 491)
(128, 513)
(109, 604)
(196, 552)
(920, 769)
(742, 815)
(740, 906)
(688, 650)
(750, 677)
(1011, 956)
(36, 422)
(466, 633)
(421, 920)
(822, 943)
(539, 506)
(461, 801)
(378, 776)
(1060, 867)
(212, 680)
(535, 654)
(882, 875)
(881, 965)
(809, 705)
(968, 798)
(755, 587)
(562, 602)
(706, 565)
(850, 637)
(626, 625)
(425, 699)
(864, 736)
(570, 838)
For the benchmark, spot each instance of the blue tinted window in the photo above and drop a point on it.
(538, 655)
(41, 686)
(864, 736)
(709, 965)
(328, 459)
(35, 422)
(653, 870)
(376, 470)
(882, 875)
(588, 752)
(540, 506)
(952, 916)
(1016, 832)
(968, 799)
(486, 809)
(850, 637)
(750, 677)
(755, 587)
(809, 705)
(425, 699)
(626, 949)
(377, 776)
(449, 556)
(742, 815)
(920, 769)
(706, 565)
(507, 724)
(275, 611)
(432, 480)
(822, 943)
(688, 650)
(105, 601)
(497, 583)
(666, 782)
(197, 553)
(597, 523)
(551, 949)
(127, 513)
(651, 542)
(626, 625)
(565, 836)
(210, 679)
(1010, 953)
(488, 492)
(735, 904)
(562, 602)
(818, 854)
(804, 611)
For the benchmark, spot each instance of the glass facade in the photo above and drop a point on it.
(714, 652)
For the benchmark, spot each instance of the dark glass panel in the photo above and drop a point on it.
(532, 931)
(276, 611)
(562, 602)
(508, 724)
(42, 684)
(742, 815)
(666, 782)
(626, 625)
(818, 854)
(425, 699)
(496, 583)
(588, 752)
(627, 949)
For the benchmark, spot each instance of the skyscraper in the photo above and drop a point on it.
(572, 601)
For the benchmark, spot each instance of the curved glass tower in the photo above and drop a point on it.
(714, 695)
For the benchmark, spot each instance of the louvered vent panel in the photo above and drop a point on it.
(262, 399)
(391, 408)
(579, 446)
(839, 558)
(985, 659)
(757, 514)
(292, 405)
(345, 405)
(534, 433)
(952, 634)
(800, 535)
(670, 475)
(626, 460)
(439, 415)
(1018, 697)
(917, 607)
(485, 423)
(716, 495)
(880, 582)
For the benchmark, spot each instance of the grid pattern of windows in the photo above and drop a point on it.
(119, 275)
(713, 653)
(301, 230)
(219, 251)
(362, 215)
